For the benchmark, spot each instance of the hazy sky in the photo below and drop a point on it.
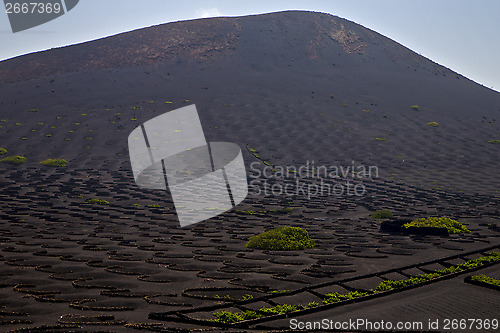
(460, 34)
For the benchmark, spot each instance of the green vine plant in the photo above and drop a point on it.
(54, 162)
(14, 160)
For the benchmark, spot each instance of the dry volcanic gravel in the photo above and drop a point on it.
(289, 88)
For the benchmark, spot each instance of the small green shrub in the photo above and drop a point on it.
(97, 201)
(495, 142)
(394, 284)
(453, 227)
(278, 291)
(281, 308)
(234, 317)
(415, 107)
(254, 152)
(16, 160)
(337, 297)
(223, 297)
(382, 214)
(281, 239)
(433, 124)
(485, 280)
(3, 151)
(54, 162)
(381, 139)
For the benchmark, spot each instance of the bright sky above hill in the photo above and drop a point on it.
(463, 35)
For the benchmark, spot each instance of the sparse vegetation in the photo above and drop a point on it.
(54, 162)
(3, 151)
(392, 284)
(495, 142)
(233, 317)
(484, 280)
(453, 227)
(256, 154)
(250, 212)
(15, 160)
(287, 210)
(278, 291)
(337, 297)
(281, 239)
(433, 124)
(415, 107)
(229, 297)
(97, 201)
(382, 214)
(381, 139)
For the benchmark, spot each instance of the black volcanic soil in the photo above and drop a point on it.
(294, 86)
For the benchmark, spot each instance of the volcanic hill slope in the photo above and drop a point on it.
(307, 86)
(294, 87)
